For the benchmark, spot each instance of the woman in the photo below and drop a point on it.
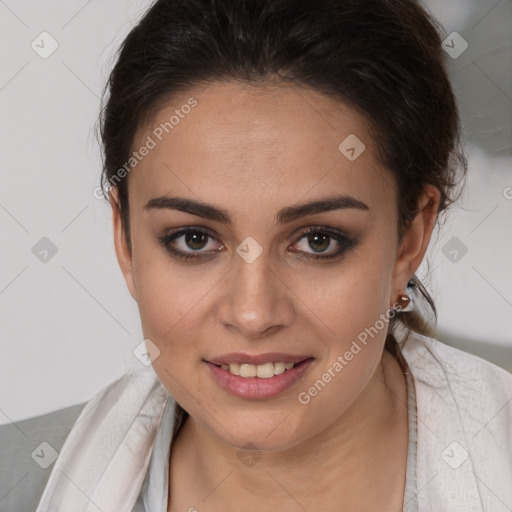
(275, 170)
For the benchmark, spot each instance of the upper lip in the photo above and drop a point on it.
(268, 357)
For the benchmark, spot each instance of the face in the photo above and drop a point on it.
(253, 277)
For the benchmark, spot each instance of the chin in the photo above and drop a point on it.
(256, 432)
(259, 441)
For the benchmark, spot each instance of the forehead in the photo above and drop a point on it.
(230, 138)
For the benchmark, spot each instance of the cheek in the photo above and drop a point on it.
(167, 297)
(351, 296)
(354, 306)
(357, 314)
(168, 303)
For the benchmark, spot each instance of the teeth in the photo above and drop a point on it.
(247, 370)
(263, 371)
(279, 368)
(234, 369)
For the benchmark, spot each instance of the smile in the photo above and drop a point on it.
(258, 381)
(262, 371)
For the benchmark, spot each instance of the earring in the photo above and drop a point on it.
(404, 302)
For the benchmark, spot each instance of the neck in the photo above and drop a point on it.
(337, 463)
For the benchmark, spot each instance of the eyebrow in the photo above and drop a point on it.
(285, 215)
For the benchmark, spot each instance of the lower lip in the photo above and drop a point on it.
(255, 387)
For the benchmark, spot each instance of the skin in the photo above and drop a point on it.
(252, 151)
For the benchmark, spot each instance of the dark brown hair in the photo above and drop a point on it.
(381, 57)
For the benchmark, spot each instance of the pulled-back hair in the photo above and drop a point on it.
(383, 58)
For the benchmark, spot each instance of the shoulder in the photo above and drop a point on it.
(437, 364)
(469, 383)
(464, 410)
(28, 449)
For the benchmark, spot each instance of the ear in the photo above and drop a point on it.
(415, 240)
(124, 257)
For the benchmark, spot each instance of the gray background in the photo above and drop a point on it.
(69, 325)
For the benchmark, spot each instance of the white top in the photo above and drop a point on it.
(460, 440)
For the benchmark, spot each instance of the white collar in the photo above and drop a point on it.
(104, 460)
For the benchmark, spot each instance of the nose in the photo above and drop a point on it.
(256, 300)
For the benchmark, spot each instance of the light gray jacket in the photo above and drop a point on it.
(23, 457)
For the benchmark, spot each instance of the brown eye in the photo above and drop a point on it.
(320, 240)
(188, 244)
(196, 239)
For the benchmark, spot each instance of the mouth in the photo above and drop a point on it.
(261, 371)
(256, 381)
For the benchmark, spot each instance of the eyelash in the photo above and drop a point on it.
(339, 236)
